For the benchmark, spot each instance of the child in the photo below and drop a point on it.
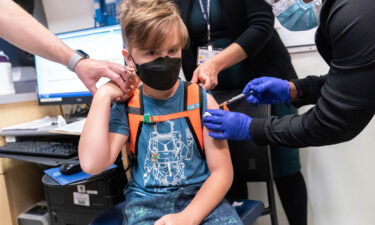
(180, 175)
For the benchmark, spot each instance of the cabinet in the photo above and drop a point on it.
(20, 182)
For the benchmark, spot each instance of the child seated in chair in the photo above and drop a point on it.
(180, 175)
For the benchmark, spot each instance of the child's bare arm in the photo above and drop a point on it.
(215, 187)
(98, 148)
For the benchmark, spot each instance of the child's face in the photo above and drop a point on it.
(171, 47)
(157, 67)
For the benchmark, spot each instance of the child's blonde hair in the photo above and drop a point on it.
(148, 23)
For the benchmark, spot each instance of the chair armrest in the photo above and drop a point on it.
(248, 210)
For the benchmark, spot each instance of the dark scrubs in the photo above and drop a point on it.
(285, 161)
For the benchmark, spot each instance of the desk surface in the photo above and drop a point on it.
(47, 161)
(29, 132)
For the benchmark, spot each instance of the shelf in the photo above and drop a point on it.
(47, 161)
(6, 99)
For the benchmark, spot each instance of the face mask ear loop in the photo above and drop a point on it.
(133, 61)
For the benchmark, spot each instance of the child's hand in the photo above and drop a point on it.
(174, 219)
(112, 91)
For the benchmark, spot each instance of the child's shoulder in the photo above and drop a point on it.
(198, 87)
(118, 106)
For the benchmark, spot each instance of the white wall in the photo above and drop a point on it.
(340, 178)
(68, 15)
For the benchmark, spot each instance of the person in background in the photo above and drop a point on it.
(244, 46)
(21, 29)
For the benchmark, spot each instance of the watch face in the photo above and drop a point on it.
(82, 53)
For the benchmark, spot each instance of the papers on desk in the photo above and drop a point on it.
(49, 125)
(33, 125)
(74, 128)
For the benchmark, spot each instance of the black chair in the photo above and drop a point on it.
(251, 163)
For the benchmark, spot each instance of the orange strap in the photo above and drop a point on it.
(134, 122)
(134, 100)
(162, 118)
(193, 115)
(224, 107)
(193, 97)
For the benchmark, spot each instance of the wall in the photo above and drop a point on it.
(340, 178)
(68, 15)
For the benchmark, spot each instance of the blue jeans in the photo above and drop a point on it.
(146, 211)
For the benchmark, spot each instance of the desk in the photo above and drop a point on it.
(40, 133)
(20, 181)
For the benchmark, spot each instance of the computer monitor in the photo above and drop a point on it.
(57, 84)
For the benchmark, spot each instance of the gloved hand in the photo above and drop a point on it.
(267, 90)
(228, 125)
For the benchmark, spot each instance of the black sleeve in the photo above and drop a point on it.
(346, 102)
(260, 27)
(349, 27)
(308, 89)
(329, 122)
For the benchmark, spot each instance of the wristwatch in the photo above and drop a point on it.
(76, 57)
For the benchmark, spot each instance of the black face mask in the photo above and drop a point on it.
(160, 74)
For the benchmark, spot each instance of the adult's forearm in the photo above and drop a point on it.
(307, 90)
(21, 29)
(229, 56)
(329, 122)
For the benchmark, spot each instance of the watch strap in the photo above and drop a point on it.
(74, 59)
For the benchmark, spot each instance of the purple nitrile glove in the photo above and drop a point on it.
(267, 90)
(228, 125)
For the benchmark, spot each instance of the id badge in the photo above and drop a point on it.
(206, 52)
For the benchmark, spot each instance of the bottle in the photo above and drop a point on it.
(6, 78)
(110, 12)
(99, 16)
(3, 57)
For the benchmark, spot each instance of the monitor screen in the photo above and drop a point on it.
(57, 84)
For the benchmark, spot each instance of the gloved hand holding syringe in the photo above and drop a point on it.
(235, 98)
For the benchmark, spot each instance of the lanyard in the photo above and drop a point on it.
(206, 16)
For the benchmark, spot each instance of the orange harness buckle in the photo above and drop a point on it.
(148, 118)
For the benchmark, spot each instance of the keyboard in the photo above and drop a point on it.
(41, 148)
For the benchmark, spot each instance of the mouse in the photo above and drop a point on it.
(69, 168)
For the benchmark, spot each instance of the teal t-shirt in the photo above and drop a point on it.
(167, 157)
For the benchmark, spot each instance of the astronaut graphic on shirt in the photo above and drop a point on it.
(166, 155)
